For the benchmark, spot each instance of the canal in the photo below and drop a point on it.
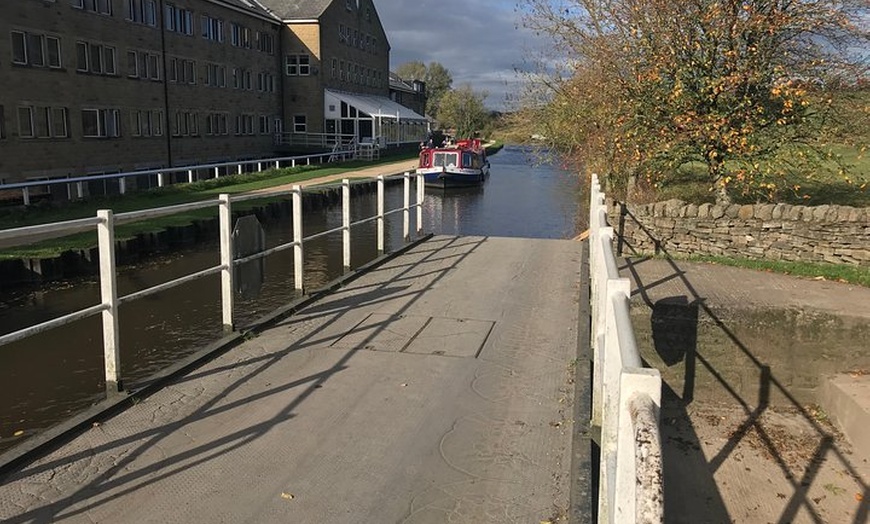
(49, 377)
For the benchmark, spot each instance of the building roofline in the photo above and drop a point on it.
(267, 17)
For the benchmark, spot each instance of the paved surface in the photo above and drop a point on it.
(434, 389)
(738, 445)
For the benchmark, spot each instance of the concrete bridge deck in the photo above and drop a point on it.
(435, 388)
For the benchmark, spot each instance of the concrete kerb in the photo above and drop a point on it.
(584, 469)
(56, 436)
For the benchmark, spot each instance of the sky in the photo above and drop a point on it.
(479, 41)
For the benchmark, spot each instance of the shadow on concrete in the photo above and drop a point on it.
(691, 493)
(123, 478)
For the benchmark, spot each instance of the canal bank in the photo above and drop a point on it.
(75, 263)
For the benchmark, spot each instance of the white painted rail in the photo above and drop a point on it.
(183, 174)
(626, 397)
(106, 220)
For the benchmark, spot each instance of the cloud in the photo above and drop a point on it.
(480, 42)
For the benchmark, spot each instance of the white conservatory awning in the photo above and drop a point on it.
(374, 106)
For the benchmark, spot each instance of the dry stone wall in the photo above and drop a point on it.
(835, 234)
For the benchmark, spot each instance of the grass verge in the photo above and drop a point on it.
(159, 197)
(820, 271)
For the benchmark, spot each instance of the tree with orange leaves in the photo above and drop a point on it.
(737, 85)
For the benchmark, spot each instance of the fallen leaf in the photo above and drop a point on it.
(18, 433)
(288, 496)
(781, 495)
(404, 384)
(859, 497)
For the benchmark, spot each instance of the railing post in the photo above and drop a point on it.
(639, 491)
(297, 238)
(380, 215)
(122, 185)
(190, 176)
(420, 196)
(109, 299)
(345, 223)
(80, 190)
(611, 364)
(259, 166)
(25, 194)
(277, 164)
(406, 210)
(227, 272)
(160, 180)
(599, 311)
(217, 172)
(239, 169)
(292, 162)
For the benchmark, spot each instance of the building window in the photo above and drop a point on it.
(278, 125)
(186, 124)
(297, 65)
(142, 12)
(240, 36)
(216, 124)
(178, 20)
(143, 65)
(300, 123)
(42, 122)
(147, 123)
(25, 122)
(215, 75)
(245, 124)
(103, 7)
(101, 123)
(182, 71)
(264, 125)
(95, 58)
(212, 28)
(334, 68)
(265, 42)
(348, 4)
(35, 49)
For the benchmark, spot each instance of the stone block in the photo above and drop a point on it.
(779, 211)
(819, 212)
(717, 212)
(765, 212)
(732, 210)
(794, 212)
(691, 211)
(746, 212)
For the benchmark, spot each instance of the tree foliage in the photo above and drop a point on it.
(438, 81)
(463, 110)
(740, 86)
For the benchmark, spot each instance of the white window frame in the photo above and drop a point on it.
(108, 123)
(300, 126)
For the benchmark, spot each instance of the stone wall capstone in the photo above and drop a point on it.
(827, 233)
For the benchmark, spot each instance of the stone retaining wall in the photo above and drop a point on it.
(835, 234)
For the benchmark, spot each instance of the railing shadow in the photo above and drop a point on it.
(123, 477)
(688, 474)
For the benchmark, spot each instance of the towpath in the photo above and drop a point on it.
(436, 388)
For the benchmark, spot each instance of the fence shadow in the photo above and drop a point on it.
(691, 492)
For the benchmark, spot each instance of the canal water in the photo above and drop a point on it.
(51, 376)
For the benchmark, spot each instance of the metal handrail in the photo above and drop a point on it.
(105, 221)
(160, 173)
(626, 396)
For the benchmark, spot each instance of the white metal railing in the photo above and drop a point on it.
(189, 173)
(312, 139)
(626, 397)
(106, 220)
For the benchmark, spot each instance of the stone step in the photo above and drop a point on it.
(846, 399)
